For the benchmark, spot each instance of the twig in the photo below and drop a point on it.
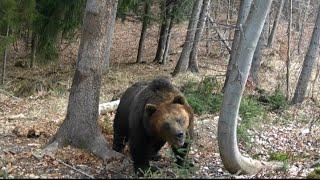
(223, 40)
(219, 34)
(90, 176)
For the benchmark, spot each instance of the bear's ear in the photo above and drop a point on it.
(179, 100)
(150, 109)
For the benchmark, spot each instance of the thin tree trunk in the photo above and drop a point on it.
(275, 24)
(257, 56)
(166, 50)
(302, 26)
(80, 128)
(231, 157)
(110, 30)
(144, 30)
(183, 61)
(193, 60)
(163, 33)
(33, 49)
(208, 40)
(5, 58)
(308, 63)
(242, 16)
(288, 52)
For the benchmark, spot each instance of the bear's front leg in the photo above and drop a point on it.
(140, 153)
(181, 153)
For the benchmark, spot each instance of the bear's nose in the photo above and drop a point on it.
(179, 135)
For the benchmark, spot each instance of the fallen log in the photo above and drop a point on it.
(108, 107)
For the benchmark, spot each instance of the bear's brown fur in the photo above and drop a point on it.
(148, 116)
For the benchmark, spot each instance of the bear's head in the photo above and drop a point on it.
(170, 121)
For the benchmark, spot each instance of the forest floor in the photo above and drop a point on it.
(27, 121)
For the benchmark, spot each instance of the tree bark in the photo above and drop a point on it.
(302, 26)
(163, 33)
(5, 55)
(275, 24)
(308, 63)
(80, 128)
(242, 17)
(167, 46)
(33, 49)
(257, 56)
(193, 60)
(110, 30)
(231, 157)
(183, 61)
(288, 53)
(145, 23)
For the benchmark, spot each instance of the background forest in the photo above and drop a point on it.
(199, 45)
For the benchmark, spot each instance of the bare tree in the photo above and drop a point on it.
(33, 49)
(288, 52)
(275, 24)
(193, 61)
(242, 17)
(167, 46)
(80, 128)
(5, 55)
(183, 61)
(165, 7)
(231, 157)
(306, 8)
(257, 56)
(308, 63)
(145, 22)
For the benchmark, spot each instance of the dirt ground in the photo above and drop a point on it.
(27, 123)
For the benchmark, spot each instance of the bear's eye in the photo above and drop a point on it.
(180, 120)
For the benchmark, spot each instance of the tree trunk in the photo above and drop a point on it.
(33, 49)
(193, 60)
(5, 58)
(302, 26)
(80, 128)
(257, 56)
(242, 17)
(110, 30)
(163, 33)
(308, 63)
(288, 52)
(275, 24)
(167, 46)
(144, 30)
(231, 157)
(183, 61)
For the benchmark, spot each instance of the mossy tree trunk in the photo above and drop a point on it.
(80, 128)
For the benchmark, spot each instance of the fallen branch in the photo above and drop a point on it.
(108, 107)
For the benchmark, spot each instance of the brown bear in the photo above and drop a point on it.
(148, 116)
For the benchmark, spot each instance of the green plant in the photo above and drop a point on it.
(275, 101)
(315, 174)
(250, 111)
(202, 96)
